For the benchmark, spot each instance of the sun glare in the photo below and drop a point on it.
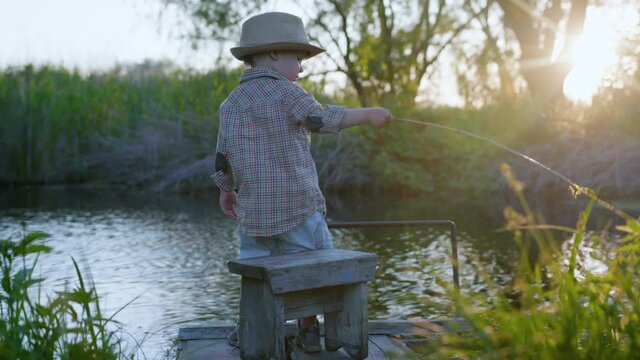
(593, 57)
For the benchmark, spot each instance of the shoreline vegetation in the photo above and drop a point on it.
(152, 126)
(557, 306)
(64, 324)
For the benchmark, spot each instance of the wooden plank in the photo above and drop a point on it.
(298, 354)
(417, 326)
(261, 322)
(354, 320)
(304, 303)
(322, 275)
(260, 267)
(218, 331)
(375, 352)
(376, 327)
(208, 349)
(380, 348)
(349, 326)
(332, 331)
(300, 259)
(391, 348)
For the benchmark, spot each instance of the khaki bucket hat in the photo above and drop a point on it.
(273, 31)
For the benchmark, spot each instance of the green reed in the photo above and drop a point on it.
(50, 117)
(142, 124)
(555, 307)
(67, 324)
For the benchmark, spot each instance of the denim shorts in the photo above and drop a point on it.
(313, 234)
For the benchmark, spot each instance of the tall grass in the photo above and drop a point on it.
(152, 125)
(50, 117)
(555, 308)
(65, 325)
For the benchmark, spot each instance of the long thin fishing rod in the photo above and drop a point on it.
(575, 187)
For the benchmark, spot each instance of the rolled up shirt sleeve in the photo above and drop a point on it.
(303, 106)
(224, 180)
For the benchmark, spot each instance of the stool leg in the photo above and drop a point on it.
(349, 327)
(357, 327)
(332, 334)
(261, 322)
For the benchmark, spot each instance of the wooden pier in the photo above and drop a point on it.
(388, 339)
(280, 288)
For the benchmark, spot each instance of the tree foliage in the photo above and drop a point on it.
(538, 27)
(215, 19)
(486, 70)
(384, 48)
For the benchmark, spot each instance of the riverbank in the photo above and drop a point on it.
(153, 128)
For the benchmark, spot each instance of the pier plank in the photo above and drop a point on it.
(381, 347)
(210, 342)
(418, 326)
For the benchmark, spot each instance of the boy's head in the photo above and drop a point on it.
(286, 62)
(272, 38)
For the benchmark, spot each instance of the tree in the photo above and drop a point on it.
(542, 33)
(384, 58)
(486, 70)
(384, 48)
(214, 19)
(538, 26)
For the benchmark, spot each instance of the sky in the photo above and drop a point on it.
(98, 34)
(91, 34)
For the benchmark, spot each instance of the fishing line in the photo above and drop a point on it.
(575, 188)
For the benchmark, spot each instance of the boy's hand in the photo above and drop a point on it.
(228, 203)
(376, 117)
(379, 116)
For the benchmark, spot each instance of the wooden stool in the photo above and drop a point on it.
(274, 289)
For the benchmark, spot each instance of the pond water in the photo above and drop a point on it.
(169, 253)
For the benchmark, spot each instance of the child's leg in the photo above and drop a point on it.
(251, 246)
(313, 234)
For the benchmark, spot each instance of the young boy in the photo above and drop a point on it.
(264, 169)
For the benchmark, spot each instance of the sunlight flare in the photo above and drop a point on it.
(593, 57)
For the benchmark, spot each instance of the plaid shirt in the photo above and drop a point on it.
(265, 133)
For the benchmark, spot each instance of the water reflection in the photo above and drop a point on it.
(170, 253)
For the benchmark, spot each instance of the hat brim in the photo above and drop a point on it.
(241, 52)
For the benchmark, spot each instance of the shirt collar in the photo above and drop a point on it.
(259, 72)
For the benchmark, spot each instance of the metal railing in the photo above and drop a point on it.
(412, 223)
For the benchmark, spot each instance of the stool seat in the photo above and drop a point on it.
(277, 288)
(309, 269)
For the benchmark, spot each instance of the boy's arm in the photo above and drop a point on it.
(375, 116)
(223, 177)
(306, 111)
(228, 203)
